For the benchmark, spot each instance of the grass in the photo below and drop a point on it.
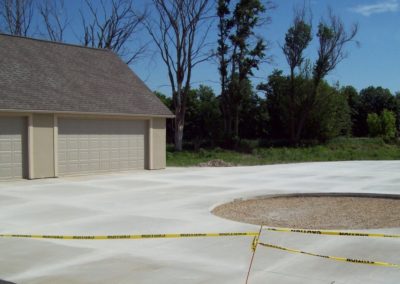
(340, 149)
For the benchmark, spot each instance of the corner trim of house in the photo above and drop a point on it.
(31, 173)
(55, 143)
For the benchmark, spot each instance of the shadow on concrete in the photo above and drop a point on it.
(6, 282)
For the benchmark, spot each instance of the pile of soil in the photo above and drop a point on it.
(216, 163)
(316, 212)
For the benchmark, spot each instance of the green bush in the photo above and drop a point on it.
(383, 125)
(388, 120)
(374, 125)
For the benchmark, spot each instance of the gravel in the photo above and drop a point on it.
(315, 212)
(216, 163)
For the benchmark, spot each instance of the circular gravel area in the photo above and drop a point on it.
(316, 211)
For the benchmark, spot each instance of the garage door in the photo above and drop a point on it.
(94, 145)
(13, 133)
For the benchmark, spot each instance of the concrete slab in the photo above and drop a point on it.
(180, 200)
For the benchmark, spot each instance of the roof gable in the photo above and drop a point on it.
(39, 75)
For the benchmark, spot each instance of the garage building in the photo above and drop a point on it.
(67, 110)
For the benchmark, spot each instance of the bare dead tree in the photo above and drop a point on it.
(16, 16)
(113, 27)
(333, 37)
(54, 17)
(179, 29)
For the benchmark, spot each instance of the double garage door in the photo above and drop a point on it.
(84, 146)
(99, 145)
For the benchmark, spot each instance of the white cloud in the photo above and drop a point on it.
(377, 8)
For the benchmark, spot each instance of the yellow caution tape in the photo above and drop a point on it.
(352, 260)
(332, 233)
(119, 237)
(254, 244)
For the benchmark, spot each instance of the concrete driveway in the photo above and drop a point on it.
(180, 200)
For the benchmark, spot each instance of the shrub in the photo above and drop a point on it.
(374, 125)
(388, 120)
(383, 125)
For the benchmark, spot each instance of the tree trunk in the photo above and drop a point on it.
(179, 124)
(299, 130)
(236, 124)
(292, 127)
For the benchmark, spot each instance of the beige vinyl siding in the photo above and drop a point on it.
(13, 143)
(100, 145)
(158, 133)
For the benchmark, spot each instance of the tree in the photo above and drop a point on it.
(115, 29)
(253, 115)
(332, 40)
(54, 18)
(179, 33)
(353, 100)
(388, 119)
(202, 123)
(297, 39)
(328, 118)
(16, 16)
(374, 100)
(383, 125)
(276, 100)
(239, 52)
(397, 111)
(374, 125)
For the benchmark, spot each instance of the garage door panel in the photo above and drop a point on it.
(13, 135)
(90, 146)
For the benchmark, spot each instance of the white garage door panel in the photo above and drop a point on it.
(90, 146)
(12, 147)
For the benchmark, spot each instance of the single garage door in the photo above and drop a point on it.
(13, 133)
(98, 145)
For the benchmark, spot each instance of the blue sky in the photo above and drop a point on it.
(375, 62)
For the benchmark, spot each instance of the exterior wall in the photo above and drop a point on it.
(157, 143)
(42, 140)
(42, 146)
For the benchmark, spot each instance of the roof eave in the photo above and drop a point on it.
(88, 113)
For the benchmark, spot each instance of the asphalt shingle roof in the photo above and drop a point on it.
(39, 75)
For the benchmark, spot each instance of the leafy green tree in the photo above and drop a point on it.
(300, 101)
(329, 117)
(203, 127)
(388, 120)
(383, 125)
(239, 52)
(373, 100)
(353, 100)
(297, 39)
(253, 115)
(332, 38)
(374, 125)
(167, 101)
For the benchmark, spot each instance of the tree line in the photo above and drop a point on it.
(338, 111)
(287, 108)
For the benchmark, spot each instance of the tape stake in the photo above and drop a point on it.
(254, 245)
(343, 259)
(332, 233)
